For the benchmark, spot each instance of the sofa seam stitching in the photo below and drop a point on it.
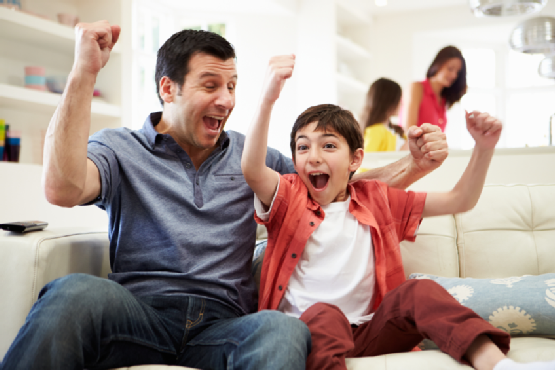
(533, 228)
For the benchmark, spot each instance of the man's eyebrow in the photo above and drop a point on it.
(211, 74)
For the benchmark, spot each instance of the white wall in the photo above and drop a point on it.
(23, 199)
(258, 39)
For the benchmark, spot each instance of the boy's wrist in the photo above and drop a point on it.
(483, 151)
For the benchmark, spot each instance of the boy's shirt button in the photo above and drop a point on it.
(280, 287)
(294, 255)
(318, 213)
(311, 223)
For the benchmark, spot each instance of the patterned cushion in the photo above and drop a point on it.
(520, 306)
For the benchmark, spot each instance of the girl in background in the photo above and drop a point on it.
(382, 102)
(445, 84)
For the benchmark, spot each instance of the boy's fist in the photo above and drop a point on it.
(280, 69)
(484, 129)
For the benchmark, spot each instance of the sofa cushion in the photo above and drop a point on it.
(510, 232)
(435, 249)
(523, 305)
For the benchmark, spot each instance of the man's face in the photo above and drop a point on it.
(324, 162)
(205, 100)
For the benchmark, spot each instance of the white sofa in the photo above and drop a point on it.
(511, 232)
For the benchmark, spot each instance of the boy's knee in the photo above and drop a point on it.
(420, 287)
(320, 311)
(421, 284)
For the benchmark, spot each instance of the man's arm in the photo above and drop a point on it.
(486, 131)
(262, 179)
(428, 150)
(69, 178)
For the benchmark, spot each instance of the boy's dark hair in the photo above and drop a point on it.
(174, 56)
(455, 92)
(330, 117)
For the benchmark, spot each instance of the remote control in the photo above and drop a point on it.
(24, 226)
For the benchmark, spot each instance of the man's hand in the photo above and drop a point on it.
(279, 70)
(93, 44)
(484, 129)
(428, 146)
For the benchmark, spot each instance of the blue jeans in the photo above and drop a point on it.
(81, 321)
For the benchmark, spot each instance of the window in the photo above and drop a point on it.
(481, 95)
(528, 118)
(507, 85)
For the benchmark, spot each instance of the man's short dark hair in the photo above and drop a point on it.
(330, 117)
(174, 56)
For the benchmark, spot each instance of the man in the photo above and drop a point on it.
(181, 224)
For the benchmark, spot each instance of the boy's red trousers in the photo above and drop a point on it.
(416, 310)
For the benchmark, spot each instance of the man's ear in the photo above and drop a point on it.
(168, 89)
(356, 160)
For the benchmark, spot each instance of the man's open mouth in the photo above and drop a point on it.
(319, 180)
(213, 122)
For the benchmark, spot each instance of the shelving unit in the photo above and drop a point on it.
(46, 102)
(39, 32)
(30, 40)
(352, 57)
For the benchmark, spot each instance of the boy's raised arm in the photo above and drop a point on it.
(262, 179)
(486, 131)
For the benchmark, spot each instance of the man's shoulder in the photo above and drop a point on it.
(238, 139)
(109, 135)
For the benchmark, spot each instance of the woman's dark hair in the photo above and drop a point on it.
(455, 92)
(174, 56)
(383, 96)
(330, 117)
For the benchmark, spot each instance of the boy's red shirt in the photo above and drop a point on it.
(393, 215)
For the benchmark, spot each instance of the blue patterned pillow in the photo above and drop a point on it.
(520, 306)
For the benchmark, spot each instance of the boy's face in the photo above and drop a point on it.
(324, 162)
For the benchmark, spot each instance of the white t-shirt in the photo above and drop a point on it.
(336, 266)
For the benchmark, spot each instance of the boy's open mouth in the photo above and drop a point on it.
(319, 180)
(213, 122)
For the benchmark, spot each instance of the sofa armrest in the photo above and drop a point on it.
(31, 260)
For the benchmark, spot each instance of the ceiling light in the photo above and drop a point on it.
(534, 36)
(547, 67)
(497, 8)
(381, 2)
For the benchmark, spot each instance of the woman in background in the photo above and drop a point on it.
(382, 102)
(445, 84)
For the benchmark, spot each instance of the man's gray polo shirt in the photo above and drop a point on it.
(175, 230)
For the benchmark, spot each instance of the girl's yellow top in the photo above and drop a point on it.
(378, 138)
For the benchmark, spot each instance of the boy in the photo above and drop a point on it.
(318, 265)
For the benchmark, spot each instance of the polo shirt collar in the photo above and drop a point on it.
(151, 134)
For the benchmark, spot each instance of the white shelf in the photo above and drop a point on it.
(36, 31)
(349, 50)
(46, 102)
(348, 16)
(349, 86)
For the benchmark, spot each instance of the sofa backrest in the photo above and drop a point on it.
(510, 232)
